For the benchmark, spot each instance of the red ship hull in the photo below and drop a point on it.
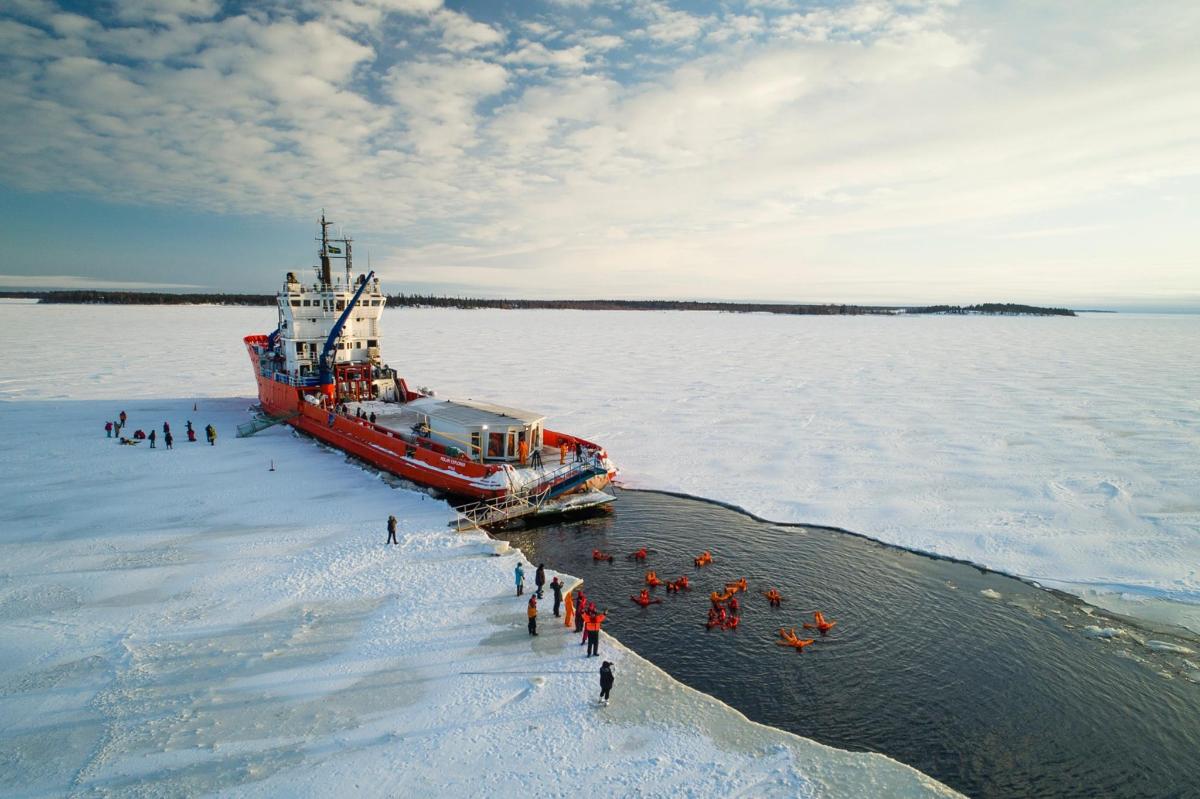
(383, 447)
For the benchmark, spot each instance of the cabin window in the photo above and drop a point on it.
(295, 303)
(341, 304)
(474, 444)
(372, 342)
(495, 445)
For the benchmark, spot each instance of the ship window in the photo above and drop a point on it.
(495, 445)
(474, 444)
(372, 342)
(295, 303)
(341, 304)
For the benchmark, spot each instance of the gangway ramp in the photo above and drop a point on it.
(262, 421)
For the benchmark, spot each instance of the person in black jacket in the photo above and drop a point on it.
(606, 681)
(557, 588)
(392, 530)
(539, 579)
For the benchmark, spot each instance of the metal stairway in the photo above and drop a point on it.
(261, 422)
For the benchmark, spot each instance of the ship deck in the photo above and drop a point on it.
(404, 419)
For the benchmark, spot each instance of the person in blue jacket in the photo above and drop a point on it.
(519, 576)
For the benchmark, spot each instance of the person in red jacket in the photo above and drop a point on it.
(592, 625)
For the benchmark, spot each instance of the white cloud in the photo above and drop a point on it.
(166, 11)
(782, 143)
(461, 34)
(537, 54)
(439, 98)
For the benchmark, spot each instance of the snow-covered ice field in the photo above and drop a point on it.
(189, 622)
(1061, 449)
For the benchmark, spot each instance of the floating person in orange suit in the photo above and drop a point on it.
(639, 555)
(598, 555)
(774, 597)
(717, 599)
(740, 585)
(679, 585)
(703, 559)
(820, 623)
(789, 638)
(652, 579)
(644, 599)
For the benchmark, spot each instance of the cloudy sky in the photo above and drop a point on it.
(878, 151)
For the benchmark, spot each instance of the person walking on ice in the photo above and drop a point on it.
(606, 681)
(392, 530)
(532, 614)
(539, 579)
(152, 436)
(211, 432)
(519, 577)
(108, 426)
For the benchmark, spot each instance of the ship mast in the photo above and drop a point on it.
(329, 250)
(323, 254)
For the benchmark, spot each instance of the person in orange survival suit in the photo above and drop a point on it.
(592, 625)
(532, 614)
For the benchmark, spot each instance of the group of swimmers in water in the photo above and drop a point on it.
(725, 612)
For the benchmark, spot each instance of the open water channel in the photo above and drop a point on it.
(995, 687)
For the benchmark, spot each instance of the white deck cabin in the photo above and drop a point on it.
(485, 431)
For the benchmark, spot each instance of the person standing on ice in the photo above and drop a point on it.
(166, 428)
(211, 432)
(580, 607)
(556, 588)
(392, 530)
(153, 433)
(532, 614)
(594, 621)
(539, 579)
(519, 577)
(170, 439)
(606, 681)
(108, 429)
(122, 417)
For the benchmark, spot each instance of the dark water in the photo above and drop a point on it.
(994, 697)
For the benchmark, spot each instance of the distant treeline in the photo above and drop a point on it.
(91, 297)
(1002, 308)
